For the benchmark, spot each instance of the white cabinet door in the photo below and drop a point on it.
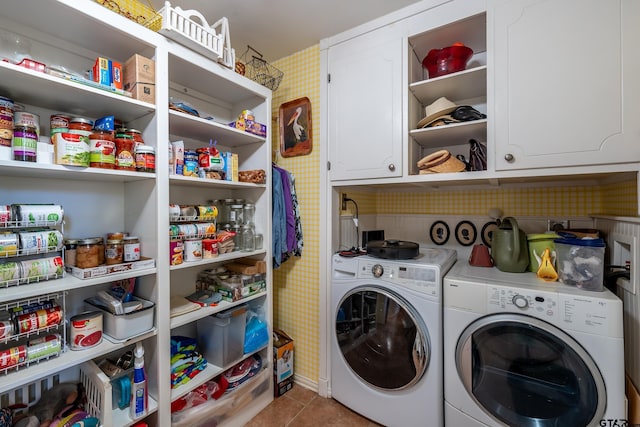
(566, 83)
(365, 106)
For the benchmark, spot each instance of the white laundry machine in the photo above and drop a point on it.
(522, 352)
(386, 337)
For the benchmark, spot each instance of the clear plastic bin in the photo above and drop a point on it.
(581, 262)
(221, 336)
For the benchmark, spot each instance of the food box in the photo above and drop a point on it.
(282, 361)
(233, 291)
(123, 326)
(139, 78)
(250, 126)
(103, 270)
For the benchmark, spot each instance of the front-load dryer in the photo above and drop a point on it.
(522, 352)
(386, 337)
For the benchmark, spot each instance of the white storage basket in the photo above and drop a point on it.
(98, 390)
(179, 25)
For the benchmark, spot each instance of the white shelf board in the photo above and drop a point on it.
(453, 134)
(193, 127)
(467, 84)
(192, 316)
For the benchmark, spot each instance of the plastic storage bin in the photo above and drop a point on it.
(221, 336)
(581, 262)
(124, 326)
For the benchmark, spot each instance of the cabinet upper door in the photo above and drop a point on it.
(365, 106)
(566, 83)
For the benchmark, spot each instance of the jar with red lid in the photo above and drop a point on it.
(125, 152)
(81, 125)
(102, 149)
(136, 135)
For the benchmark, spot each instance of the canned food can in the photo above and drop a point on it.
(6, 328)
(38, 215)
(205, 229)
(176, 252)
(207, 212)
(32, 307)
(42, 268)
(37, 242)
(193, 250)
(39, 319)
(188, 213)
(187, 230)
(6, 121)
(43, 347)
(174, 212)
(209, 248)
(85, 330)
(5, 215)
(27, 119)
(59, 123)
(71, 149)
(8, 244)
(13, 357)
(131, 249)
(10, 273)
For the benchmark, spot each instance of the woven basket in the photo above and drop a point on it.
(143, 14)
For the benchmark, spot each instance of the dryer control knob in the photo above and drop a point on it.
(520, 301)
(377, 270)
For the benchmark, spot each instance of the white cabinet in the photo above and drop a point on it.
(565, 83)
(72, 34)
(365, 112)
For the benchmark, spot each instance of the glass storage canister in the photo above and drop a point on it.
(102, 149)
(81, 126)
(70, 248)
(248, 238)
(88, 252)
(237, 237)
(223, 210)
(114, 252)
(131, 248)
(248, 214)
(145, 158)
(235, 214)
(125, 152)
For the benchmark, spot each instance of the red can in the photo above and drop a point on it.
(39, 319)
(13, 356)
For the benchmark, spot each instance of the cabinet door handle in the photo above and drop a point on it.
(509, 157)
(392, 167)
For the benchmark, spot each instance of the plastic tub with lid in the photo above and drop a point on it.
(580, 261)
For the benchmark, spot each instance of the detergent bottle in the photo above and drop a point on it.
(139, 392)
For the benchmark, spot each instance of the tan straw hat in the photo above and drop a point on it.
(439, 162)
(435, 110)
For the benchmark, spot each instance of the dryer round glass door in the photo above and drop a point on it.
(525, 372)
(382, 338)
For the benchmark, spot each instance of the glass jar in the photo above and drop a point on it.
(24, 143)
(81, 126)
(125, 152)
(114, 252)
(248, 238)
(131, 249)
(248, 214)
(70, 248)
(88, 252)
(237, 237)
(223, 211)
(235, 214)
(102, 149)
(259, 241)
(136, 135)
(145, 158)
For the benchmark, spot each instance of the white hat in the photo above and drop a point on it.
(438, 108)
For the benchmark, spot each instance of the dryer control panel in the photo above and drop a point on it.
(517, 300)
(424, 279)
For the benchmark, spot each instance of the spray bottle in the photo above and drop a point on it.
(139, 393)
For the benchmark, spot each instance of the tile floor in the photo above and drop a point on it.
(301, 407)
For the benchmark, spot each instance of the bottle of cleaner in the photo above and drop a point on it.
(139, 394)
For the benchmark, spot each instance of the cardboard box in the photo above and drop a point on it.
(283, 361)
(139, 78)
(116, 75)
(102, 71)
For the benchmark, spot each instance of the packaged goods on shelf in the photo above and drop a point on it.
(139, 78)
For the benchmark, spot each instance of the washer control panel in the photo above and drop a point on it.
(517, 300)
(423, 278)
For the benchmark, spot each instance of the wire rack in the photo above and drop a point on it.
(259, 70)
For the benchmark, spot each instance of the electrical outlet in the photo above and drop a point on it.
(557, 224)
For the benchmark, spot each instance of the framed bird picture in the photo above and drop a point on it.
(295, 128)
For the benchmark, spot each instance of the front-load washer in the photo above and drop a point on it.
(386, 336)
(522, 352)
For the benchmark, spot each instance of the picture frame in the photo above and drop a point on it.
(294, 118)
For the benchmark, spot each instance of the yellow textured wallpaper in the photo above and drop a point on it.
(296, 296)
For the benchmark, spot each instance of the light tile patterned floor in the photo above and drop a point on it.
(301, 407)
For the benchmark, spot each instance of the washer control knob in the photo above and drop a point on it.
(377, 270)
(520, 301)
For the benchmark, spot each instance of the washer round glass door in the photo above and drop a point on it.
(382, 338)
(525, 372)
